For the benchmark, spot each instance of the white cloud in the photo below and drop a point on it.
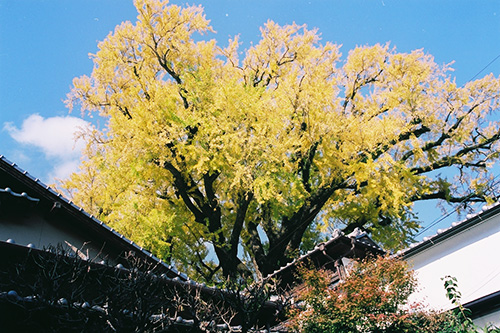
(64, 169)
(55, 137)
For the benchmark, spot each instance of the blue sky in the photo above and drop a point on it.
(44, 44)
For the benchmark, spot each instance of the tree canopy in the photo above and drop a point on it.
(253, 154)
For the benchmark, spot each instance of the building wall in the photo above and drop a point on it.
(37, 230)
(491, 318)
(471, 256)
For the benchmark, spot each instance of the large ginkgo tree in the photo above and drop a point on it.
(233, 161)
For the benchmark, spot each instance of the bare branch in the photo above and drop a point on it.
(456, 159)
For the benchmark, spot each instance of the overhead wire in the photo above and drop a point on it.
(440, 219)
(447, 214)
(488, 65)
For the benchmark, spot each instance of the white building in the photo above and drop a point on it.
(469, 251)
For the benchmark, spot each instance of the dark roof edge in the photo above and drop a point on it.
(337, 235)
(360, 239)
(18, 249)
(50, 194)
(484, 305)
(23, 195)
(456, 228)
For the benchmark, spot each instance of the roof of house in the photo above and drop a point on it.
(484, 305)
(20, 189)
(457, 227)
(354, 245)
(17, 293)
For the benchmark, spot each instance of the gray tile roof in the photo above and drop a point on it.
(44, 191)
(456, 227)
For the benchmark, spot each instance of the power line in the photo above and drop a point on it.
(440, 219)
(447, 214)
(485, 283)
(488, 65)
(435, 222)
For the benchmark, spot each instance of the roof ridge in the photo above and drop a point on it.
(471, 218)
(70, 203)
(24, 195)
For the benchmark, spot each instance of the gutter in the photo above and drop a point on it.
(456, 228)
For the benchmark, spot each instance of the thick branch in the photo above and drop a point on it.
(209, 180)
(292, 231)
(446, 195)
(305, 166)
(183, 189)
(244, 200)
(267, 223)
(416, 132)
(456, 158)
(307, 216)
(207, 272)
(125, 111)
(165, 64)
(136, 73)
(209, 215)
(444, 136)
(255, 246)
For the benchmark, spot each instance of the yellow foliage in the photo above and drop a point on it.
(291, 131)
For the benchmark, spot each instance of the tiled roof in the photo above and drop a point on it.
(456, 227)
(358, 236)
(62, 305)
(14, 293)
(23, 195)
(86, 219)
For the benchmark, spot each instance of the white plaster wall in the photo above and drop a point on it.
(473, 257)
(38, 231)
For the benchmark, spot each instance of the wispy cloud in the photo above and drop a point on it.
(63, 169)
(55, 137)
